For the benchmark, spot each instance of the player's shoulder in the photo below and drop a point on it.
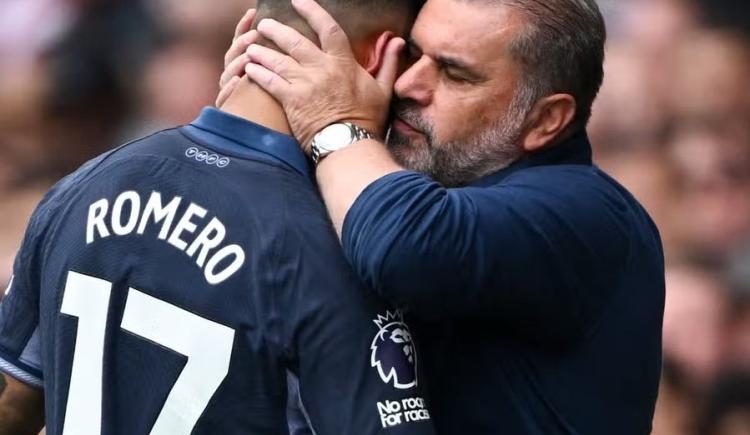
(154, 144)
(102, 164)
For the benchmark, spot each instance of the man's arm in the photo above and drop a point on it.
(536, 254)
(21, 408)
(345, 174)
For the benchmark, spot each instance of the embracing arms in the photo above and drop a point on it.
(527, 253)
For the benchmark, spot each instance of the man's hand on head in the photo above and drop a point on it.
(235, 58)
(321, 86)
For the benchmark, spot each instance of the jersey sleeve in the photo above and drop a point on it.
(538, 253)
(355, 357)
(20, 351)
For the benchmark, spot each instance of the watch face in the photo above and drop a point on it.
(334, 137)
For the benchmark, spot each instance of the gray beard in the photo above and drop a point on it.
(457, 163)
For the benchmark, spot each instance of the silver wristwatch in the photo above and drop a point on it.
(335, 137)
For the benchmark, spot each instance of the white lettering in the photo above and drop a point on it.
(394, 413)
(135, 207)
(391, 420)
(217, 266)
(154, 208)
(209, 238)
(412, 402)
(416, 415)
(97, 212)
(186, 225)
(239, 258)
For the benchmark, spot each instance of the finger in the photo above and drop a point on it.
(239, 45)
(245, 22)
(268, 80)
(227, 90)
(235, 69)
(386, 76)
(289, 40)
(331, 35)
(278, 63)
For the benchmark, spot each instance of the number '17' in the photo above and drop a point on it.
(206, 344)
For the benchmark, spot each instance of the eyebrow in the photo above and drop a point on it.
(450, 61)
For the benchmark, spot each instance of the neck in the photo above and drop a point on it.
(249, 101)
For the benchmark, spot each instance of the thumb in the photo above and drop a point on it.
(386, 76)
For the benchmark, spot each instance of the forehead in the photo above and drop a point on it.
(474, 29)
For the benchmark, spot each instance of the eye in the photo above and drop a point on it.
(454, 76)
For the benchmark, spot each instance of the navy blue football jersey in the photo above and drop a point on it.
(171, 286)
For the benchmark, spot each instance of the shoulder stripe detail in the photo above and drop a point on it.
(20, 374)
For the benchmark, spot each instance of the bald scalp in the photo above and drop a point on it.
(358, 18)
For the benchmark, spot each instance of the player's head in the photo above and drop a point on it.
(365, 22)
(490, 80)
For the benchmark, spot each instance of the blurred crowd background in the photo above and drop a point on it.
(672, 124)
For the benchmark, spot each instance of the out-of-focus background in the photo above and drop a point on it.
(672, 124)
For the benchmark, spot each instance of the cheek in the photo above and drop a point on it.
(457, 116)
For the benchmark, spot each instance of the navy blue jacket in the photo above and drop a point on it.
(539, 291)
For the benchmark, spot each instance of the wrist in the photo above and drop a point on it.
(375, 129)
(335, 137)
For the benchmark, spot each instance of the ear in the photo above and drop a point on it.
(549, 118)
(374, 52)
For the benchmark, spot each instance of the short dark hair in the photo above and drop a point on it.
(356, 17)
(561, 50)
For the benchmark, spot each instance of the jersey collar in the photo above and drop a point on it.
(243, 135)
(573, 151)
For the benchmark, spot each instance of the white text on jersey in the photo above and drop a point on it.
(104, 220)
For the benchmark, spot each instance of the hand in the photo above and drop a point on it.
(321, 86)
(236, 59)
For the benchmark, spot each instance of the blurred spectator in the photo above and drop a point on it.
(731, 14)
(727, 409)
(713, 209)
(179, 80)
(737, 352)
(650, 177)
(695, 312)
(22, 93)
(675, 407)
(708, 76)
(201, 21)
(626, 114)
(94, 71)
(28, 27)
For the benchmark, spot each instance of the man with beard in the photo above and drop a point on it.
(538, 280)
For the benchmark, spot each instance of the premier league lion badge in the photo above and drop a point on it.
(393, 351)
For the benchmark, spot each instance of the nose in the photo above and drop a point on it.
(417, 83)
